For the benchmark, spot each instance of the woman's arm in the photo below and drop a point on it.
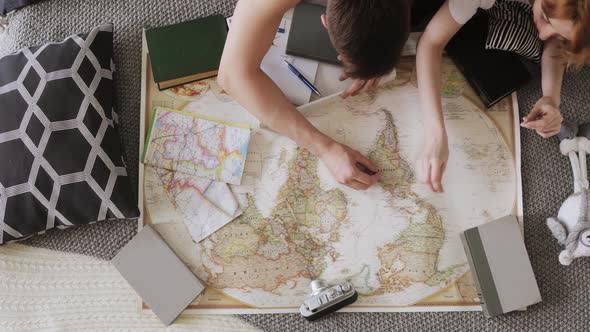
(254, 26)
(435, 153)
(552, 69)
(545, 117)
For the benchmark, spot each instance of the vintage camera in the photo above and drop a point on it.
(325, 299)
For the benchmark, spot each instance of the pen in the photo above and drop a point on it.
(302, 78)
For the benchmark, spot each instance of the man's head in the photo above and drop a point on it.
(368, 34)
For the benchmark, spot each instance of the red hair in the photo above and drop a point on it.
(577, 50)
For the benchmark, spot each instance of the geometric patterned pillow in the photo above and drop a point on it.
(7, 6)
(60, 154)
(512, 28)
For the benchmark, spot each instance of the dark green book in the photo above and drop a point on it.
(186, 52)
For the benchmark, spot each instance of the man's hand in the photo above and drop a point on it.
(358, 85)
(432, 163)
(341, 161)
(545, 118)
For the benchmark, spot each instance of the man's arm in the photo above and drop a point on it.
(439, 31)
(254, 26)
(253, 29)
(545, 117)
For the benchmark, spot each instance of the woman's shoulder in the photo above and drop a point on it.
(463, 10)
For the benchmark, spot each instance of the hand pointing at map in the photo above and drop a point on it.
(433, 161)
(342, 161)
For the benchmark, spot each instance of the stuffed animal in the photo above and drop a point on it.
(572, 225)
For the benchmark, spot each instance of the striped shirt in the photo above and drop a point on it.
(463, 10)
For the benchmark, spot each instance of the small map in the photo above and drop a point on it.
(196, 145)
(203, 205)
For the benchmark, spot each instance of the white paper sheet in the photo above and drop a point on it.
(274, 66)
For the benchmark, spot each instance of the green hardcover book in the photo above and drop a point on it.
(186, 52)
(500, 266)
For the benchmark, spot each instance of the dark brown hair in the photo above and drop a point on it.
(370, 34)
(576, 50)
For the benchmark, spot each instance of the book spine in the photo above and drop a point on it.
(482, 273)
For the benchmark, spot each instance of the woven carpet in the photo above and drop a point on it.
(547, 178)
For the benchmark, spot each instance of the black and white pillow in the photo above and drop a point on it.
(7, 6)
(60, 154)
(512, 28)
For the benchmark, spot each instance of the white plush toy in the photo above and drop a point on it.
(572, 225)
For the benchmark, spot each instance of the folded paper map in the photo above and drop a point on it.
(203, 205)
(197, 145)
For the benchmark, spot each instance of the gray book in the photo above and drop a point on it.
(161, 279)
(500, 266)
(308, 38)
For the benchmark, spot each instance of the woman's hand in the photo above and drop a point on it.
(342, 161)
(433, 161)
(545, 118)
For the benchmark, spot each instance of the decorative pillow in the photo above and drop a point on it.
(60, 154)
(512, 28)
(6, 6)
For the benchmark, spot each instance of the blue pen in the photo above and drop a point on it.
(302, 78)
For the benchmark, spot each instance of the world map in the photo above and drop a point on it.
(397, 243)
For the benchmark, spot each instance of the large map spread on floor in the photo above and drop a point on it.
(397, 242)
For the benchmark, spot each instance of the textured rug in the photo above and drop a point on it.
(547, 178)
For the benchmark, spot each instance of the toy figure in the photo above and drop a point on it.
(572, 225)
